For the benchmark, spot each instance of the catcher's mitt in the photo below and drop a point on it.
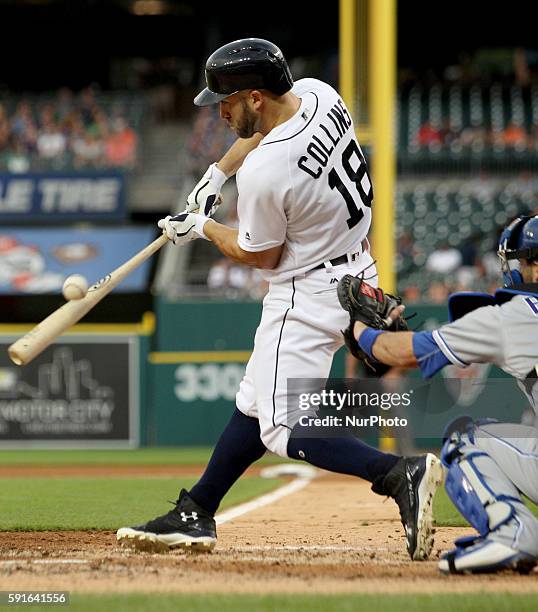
(372, 307)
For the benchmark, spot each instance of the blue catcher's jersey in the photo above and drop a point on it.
(504, 333)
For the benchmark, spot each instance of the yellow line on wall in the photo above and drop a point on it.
(200, 357)
(145, 328)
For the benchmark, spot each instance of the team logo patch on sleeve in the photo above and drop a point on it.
(532, 303)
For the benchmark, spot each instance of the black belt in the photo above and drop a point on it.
(337, 261)
(532, 374)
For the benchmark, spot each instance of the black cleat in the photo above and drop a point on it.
(187, 526)
(412, 483)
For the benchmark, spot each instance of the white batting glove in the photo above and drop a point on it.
(183, 227)
(205, 197)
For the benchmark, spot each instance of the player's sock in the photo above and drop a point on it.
(343, 455)
(238, 447)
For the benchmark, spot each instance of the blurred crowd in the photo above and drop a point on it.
(233, 280)
(67, 130)
(514, 137)
(449, 269)
(209, 139)
(504, 65)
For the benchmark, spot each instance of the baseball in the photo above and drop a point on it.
(75, 287)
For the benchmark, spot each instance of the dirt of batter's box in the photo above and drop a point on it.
(334, 535)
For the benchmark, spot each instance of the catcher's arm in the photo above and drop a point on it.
(391, 348)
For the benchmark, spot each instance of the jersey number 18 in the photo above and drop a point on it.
(355, 213)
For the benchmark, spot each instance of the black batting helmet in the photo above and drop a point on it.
(249, 63)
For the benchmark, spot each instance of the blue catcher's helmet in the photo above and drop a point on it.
(519, 240)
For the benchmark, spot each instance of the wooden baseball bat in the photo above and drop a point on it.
(23, 350)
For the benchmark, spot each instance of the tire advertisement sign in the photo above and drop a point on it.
(62, 196)
(80, 392)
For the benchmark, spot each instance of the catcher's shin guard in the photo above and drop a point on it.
(490, 501)
(485, 509)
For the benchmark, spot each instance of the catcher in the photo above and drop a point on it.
(488, 464)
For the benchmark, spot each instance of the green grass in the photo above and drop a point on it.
(28, 504)
(106, 503)
(144, 456)
(67, 503)
(446, 514)
(468, 602)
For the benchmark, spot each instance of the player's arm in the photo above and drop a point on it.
(235, 156)
(225, 239)
(206, 197)
(392, 348)
(425, 350)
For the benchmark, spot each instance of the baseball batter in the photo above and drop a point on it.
(489, 464)
(304, 209)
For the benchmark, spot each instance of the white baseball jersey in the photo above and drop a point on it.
(306, 185)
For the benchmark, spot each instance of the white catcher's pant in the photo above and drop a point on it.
(299, 333)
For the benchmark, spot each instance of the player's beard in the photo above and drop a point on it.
(247, 122)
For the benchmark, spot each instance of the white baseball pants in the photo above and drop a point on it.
(298, 334)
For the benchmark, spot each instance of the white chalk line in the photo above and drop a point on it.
(232, 550)
(312, 548)
(66, 561)
(264, 500)
(46, 562)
